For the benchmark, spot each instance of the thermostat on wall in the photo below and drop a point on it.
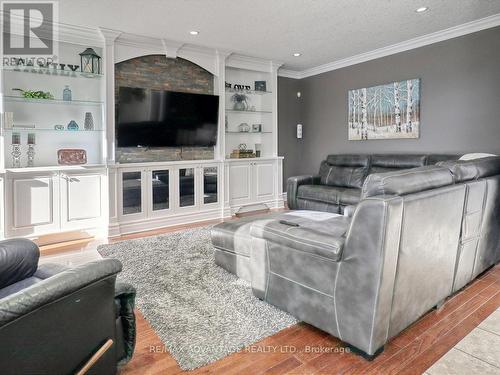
(299, 131)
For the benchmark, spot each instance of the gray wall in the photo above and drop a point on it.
(460, 103)
(289, 115)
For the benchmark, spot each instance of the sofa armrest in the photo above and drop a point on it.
(125, 299)
(292, 185)
(307, 240)
(65, 319)
(28, 300)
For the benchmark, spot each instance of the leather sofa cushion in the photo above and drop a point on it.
(466, 170)
(344, 170)
(397, 161)
(314, 239)
(461, 170)
(43, 272)
(433, 159)
(329, 194)
(234, 235)
(406, 181)
(349, 160)
(18, 260)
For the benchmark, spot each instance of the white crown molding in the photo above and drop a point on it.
(290, 73)
(63, 32)
(247, 62)
(439, 36)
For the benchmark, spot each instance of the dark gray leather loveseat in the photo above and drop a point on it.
(53, 319)
(340, 179)
(415, 237)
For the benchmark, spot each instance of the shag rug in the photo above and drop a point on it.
(200, 311)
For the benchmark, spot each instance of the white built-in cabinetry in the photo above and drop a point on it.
(105, 198)
(41, 202)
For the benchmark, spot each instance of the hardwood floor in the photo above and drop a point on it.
(303, 349)
(297, 350)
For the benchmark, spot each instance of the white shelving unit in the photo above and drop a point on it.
(105, 198)
(47, 197)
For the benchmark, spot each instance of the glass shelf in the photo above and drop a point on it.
(235, 132)
(50, 71)
(250, 92)
(65, 131)
(236, 111)
(51, 101)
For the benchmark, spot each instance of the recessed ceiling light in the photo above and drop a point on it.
(194, 32)
(297, 54)
(422, 9)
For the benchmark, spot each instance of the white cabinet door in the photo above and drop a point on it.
(32, 205)
(264, 180)
(81, 200)
(240, 183)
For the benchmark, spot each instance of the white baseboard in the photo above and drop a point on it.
(167, 221)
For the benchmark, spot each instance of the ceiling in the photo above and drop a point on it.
(322, 30)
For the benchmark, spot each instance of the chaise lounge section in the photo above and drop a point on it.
(415, 237)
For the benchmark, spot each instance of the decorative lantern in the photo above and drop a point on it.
(90, 62)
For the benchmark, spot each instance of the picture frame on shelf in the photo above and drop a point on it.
(256, 128)
(260, 86)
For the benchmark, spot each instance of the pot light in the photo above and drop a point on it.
(194, 32)
(297, 54)
(422, 9)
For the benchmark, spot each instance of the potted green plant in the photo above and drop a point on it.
(34, 94)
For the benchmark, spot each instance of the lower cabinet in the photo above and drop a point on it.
(51, 202)
(253, 182)
(160, 191)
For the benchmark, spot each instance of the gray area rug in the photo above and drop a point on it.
(201, 312)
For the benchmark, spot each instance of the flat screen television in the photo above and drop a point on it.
(155, 118)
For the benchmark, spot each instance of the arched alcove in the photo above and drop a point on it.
(161, 73)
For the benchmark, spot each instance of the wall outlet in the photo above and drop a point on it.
(299, 131)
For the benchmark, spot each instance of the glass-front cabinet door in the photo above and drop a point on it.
(160, 190)
(210, 181)
(187, 187)
(132, 194)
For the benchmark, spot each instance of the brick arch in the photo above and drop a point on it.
(161, 73)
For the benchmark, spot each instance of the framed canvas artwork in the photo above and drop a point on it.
(389, 111)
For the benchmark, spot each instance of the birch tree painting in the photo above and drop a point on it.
(385, 112)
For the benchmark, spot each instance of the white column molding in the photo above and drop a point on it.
(111, 217)
(109, 75)
(171, 48)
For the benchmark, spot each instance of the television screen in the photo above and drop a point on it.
(154, 118)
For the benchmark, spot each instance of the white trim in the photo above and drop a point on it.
(290, 73)
(438, 36)
(142, 225)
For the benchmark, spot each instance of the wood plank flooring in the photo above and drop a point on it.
(303, 349)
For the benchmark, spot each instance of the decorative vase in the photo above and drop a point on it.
(16, 150)
(239, 106)
(73, 125)
(67, 93)
(31, 156)
(89, 121)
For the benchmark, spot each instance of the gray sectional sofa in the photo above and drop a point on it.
(340, 179)
(415, 237)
